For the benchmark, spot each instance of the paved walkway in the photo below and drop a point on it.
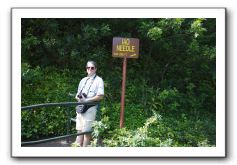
(55, 143)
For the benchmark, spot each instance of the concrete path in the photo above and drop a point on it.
(55, 143)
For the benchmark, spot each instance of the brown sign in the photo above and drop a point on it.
(125, 47)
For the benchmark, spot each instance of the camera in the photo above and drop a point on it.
(80, 96)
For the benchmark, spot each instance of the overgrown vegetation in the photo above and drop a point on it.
(170, 90)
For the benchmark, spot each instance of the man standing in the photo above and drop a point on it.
(90, 89)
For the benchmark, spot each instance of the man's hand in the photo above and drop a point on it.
(77, 98)
(83, 99)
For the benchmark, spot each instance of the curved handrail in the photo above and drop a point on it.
(51, 105)
(52, 139)
(57, 104)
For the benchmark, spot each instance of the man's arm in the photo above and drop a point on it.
(94, 99)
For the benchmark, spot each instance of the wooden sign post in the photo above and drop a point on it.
(124, 48)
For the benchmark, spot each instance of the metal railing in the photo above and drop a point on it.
(69, 119)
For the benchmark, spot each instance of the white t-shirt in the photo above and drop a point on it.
(92, 86)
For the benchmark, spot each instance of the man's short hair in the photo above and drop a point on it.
(93, 62)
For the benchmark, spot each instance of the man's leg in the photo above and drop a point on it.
(89, 118)
(87, 140)
(79, 127)
(80, 139)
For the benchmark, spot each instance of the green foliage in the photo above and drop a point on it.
(154, 33)
(138, 138)
(99, 130)
(174, 76)
(197, 28)
(45, 86)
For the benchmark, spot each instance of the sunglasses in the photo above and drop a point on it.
(92, 68)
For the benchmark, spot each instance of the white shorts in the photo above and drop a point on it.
(84, 120)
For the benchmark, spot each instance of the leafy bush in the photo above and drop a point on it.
(136, 138)
(45, 86)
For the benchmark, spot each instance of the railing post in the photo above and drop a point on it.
(68, 122)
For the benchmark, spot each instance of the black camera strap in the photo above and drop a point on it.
(89, 86)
